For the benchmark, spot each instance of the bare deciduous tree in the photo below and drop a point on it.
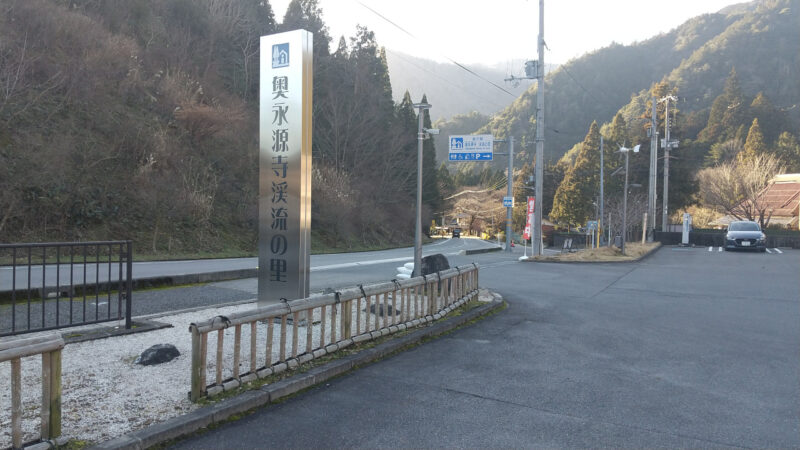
(637, 206)
(735, 187)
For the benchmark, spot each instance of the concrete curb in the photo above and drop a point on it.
(248, 400)
(639, 259)
(482, 250)
(193, 278)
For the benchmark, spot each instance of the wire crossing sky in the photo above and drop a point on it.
(488, 33)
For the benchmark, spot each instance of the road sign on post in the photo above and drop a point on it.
(508, 202)
(474, 147)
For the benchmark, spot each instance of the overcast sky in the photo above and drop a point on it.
(498, 31)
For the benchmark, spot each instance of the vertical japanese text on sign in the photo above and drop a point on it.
(285, 165)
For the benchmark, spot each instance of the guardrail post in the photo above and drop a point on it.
(128, 284)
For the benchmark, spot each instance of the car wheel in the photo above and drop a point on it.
(763, 250)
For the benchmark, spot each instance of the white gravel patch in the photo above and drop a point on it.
(104, 394)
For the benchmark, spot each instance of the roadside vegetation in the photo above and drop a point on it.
(633, 251)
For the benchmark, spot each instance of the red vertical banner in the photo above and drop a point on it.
(529, 222)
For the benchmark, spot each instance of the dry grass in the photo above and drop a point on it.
(604, 254)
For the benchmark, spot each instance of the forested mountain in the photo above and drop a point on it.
(138, 119)
(456, 91)
(725, 70)
(760, 39)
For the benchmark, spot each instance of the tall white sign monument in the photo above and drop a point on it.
(284, 195)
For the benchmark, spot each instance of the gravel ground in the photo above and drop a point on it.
(105, 395)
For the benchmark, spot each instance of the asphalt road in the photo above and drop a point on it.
(689, 348)
(151, 269)
(327, 271)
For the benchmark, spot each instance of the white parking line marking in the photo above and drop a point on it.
(768, 251)
(710, 248)
(777, 250)
(720, 249)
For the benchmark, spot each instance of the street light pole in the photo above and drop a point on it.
(625, 196)
(418, 229)
(625, 202)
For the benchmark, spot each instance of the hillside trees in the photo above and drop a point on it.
(754, 145)
(151, 125)
(430, 188)
(616, 136)
(573, 198)
(734, 186)
(788, 149)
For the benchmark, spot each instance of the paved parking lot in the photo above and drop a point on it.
(688, 348)
(771, 251)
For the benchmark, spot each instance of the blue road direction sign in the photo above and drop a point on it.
(472, 147)
(508, 202)
(592, 225)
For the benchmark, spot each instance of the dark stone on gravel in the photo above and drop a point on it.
(389, 310)
(158, 354)
(434, 263)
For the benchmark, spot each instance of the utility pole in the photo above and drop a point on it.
(667, 144)
(418, 225)
(600, 217)
(510, 191)
(536, 244)
(535, 69)
(651, 193)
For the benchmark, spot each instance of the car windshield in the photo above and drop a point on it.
(744, 226)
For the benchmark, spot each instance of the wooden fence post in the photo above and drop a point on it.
(54, 422)
(16, 403)
(197, 370)
(348, 318)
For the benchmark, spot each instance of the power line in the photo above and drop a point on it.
(564, 67)
(433, 74)
(446, 57)
(469, 191)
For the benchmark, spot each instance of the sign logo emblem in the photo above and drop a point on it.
(457, 143)
(280, 55)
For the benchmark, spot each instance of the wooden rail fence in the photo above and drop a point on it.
(13, 350)
(329, 322)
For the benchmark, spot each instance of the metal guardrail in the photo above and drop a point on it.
(13, 350)
(46, 286)
(330, 321)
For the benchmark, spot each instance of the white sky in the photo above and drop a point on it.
(490, 32)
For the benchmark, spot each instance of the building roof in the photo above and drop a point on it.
(781, 200)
